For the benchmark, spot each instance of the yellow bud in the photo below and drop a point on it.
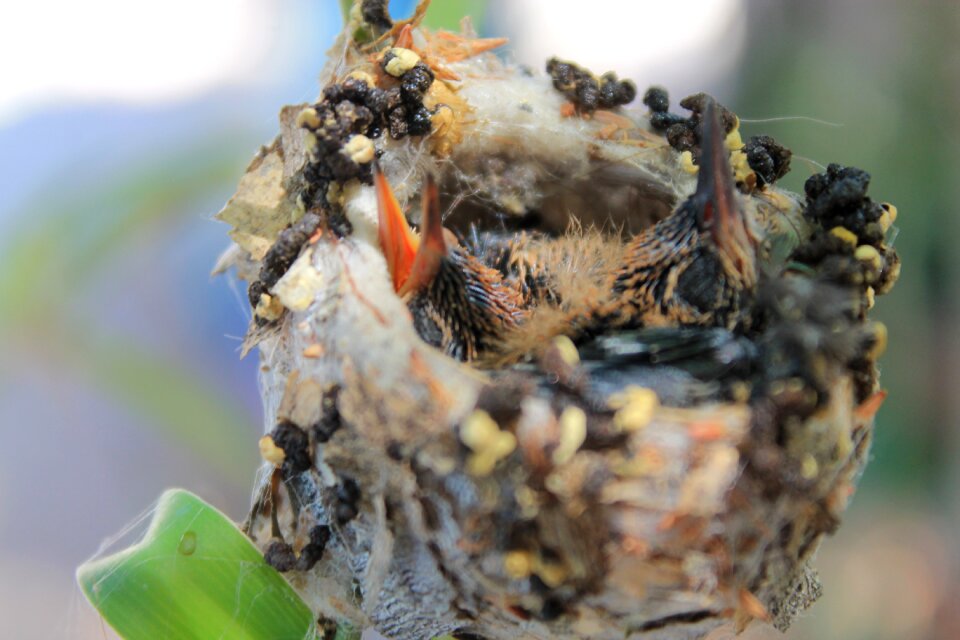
(478, 430)
(270, 452)
(734, 141)
(402, 61)
(363, 76)
(269, 307)
(308, 118)
(809, 467)
(868, 254)
(636, 408)
(359, 148)
(880, 341)
(518, 564)
(573, 431)
(845, 234)
(568, 350)
(892, 210)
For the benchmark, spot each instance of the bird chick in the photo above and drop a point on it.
(698, 266)
(458, 304)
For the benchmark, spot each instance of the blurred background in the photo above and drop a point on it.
(124, 127)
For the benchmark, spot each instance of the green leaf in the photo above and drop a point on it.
(194, 575)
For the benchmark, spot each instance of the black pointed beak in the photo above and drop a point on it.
(719, 211)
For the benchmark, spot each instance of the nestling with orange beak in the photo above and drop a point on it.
(458, 304)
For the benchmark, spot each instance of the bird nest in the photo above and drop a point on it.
(619, 384)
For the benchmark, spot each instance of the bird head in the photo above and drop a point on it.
(458, 304)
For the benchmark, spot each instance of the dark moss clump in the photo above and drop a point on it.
(282, 254)
(281, 556)
(312, 552)
(658, 100)
(685, 135)
(349, 108)
(838, 198)
(848, 245)
(405, 113)
(588, 92)
(769, 159)
(296, 448)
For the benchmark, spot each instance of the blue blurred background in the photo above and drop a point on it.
(125, 126)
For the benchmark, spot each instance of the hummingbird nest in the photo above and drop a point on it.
(616, 384)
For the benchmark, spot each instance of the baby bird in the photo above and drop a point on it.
(695, 268)
(698, 265)
(458, 304)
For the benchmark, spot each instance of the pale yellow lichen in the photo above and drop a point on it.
(552, 573)
(880, 340)
(567, 350)
(528, 501)
(270, 452)
(482, 435)
(635, 407)
(309, 141)
(686, 162)
(359, 148)
(845, 234)
(269, 307)
(891, 210)
(298, 287)
(740, 165)
(518, 564)
(885, 221)
(734, 141)
(402, 60)
(308, 117)
(573, 431)
(809, 467)
(363, 76)
(869, 255)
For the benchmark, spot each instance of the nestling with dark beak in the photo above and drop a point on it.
(698, 265)
(458, 304)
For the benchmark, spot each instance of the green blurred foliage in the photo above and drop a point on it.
(47, 266)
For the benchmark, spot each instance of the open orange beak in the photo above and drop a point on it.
(413, 261)
(397, 240)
